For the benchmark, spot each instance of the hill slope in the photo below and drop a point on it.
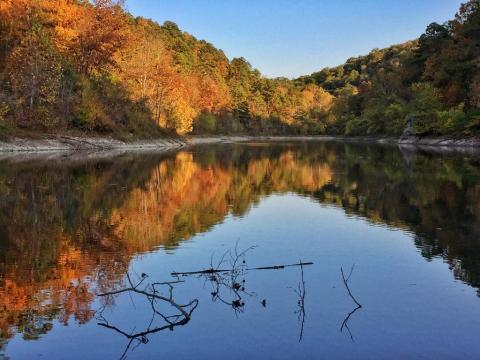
(91, 67)
(435, 78)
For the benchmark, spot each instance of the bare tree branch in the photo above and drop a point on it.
(151, 293)
(214, 271)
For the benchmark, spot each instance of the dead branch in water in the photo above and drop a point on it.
(229, 286)
(227, 279)
(277, 267)
(359, 306)
(215, 271)
(152, 294)
(345, 281)
(300, 291)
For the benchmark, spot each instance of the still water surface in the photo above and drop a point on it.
(407, 225)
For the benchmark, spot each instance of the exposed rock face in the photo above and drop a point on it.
(409, 130)
(409, 137)
(441, 142)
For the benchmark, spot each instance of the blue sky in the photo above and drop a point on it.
(295, 37)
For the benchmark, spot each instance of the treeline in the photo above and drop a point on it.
(436, 79)
(77, 65)
(89, 65)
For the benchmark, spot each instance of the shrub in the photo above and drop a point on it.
(4, 110)
(452, 120)
(205, 123)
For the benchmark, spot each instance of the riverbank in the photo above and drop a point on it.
(438, 142)
(77, 144)
(49, 144)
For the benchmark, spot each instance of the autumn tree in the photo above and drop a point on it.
(91, 34)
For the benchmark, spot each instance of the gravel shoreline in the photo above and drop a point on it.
(88, 145)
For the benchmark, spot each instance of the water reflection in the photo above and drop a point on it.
(226, 280)
(68, 231)
(152, 293)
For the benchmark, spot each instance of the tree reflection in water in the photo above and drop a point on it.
(68, 230)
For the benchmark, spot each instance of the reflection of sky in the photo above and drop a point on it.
(291, 38)
(412, 308)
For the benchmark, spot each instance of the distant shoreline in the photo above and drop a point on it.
(77, 144)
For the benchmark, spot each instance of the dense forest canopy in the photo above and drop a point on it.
(90, 66)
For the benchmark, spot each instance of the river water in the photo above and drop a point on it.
(402, 225)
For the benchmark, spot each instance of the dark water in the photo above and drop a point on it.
(409, 222)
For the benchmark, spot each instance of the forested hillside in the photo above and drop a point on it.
(72, 64)
(436, 79)
(75, 65)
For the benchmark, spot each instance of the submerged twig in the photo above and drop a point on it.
(358, 305)
(345, 281)
(300, 291)
(230, 281)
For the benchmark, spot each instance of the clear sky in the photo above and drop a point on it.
(295, 37)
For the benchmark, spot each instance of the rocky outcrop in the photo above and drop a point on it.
(409, 131)
(440, 141)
